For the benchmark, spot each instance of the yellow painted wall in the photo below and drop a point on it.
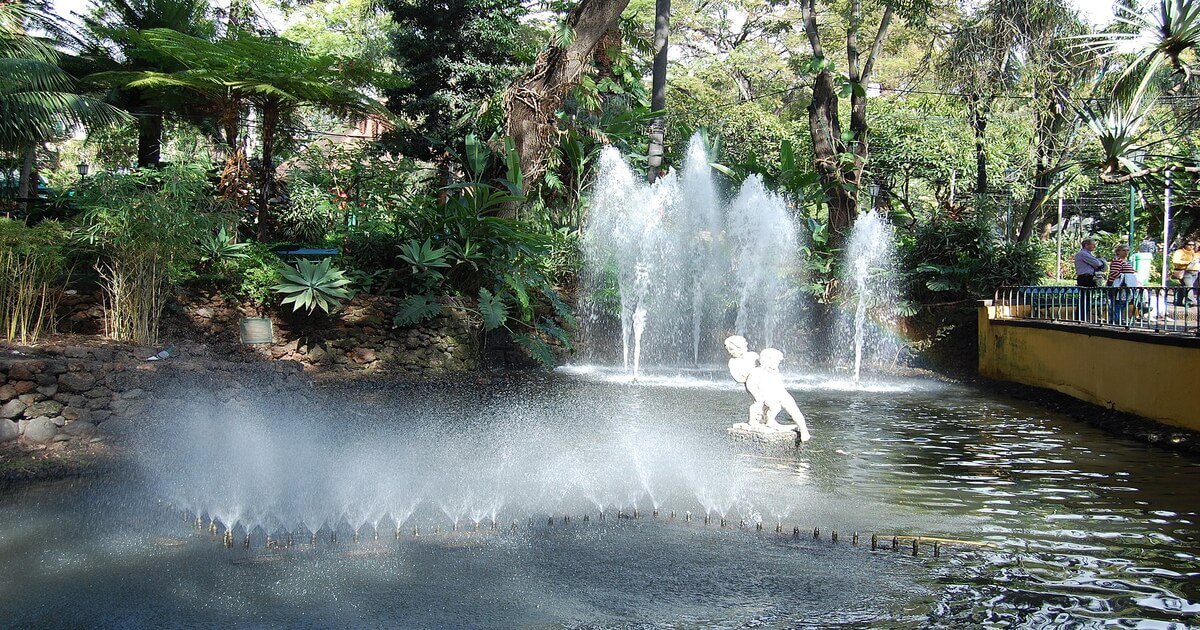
(1152, 380)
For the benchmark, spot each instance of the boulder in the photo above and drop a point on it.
(12, 409)
(24, 387)
(9, 431)
(41, 430)
(44, 408)
(76, 382)
(7, 392)
(48, 390)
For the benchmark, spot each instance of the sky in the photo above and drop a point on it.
(1097, 12)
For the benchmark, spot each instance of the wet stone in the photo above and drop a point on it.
(9, 431)
(44, 408)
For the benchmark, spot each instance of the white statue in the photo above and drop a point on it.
(764, 382)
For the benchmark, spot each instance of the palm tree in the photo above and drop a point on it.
(275, 76)
(109, 36)
(38, 100)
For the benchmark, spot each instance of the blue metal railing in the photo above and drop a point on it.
(1165, 310)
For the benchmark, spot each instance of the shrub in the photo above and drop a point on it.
(964, 259)
(311, 285)
(32, 270)
(143, 228)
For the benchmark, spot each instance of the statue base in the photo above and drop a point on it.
(763, 432)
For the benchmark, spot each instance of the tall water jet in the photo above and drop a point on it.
(679, 258)
(763, 234)
(867, 272)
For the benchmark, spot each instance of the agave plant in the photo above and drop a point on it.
(311, 285)
(1157, 35)
(215, 248)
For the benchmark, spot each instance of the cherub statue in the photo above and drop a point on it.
(764, 382)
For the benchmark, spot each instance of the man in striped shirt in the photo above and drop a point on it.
(1120, 274)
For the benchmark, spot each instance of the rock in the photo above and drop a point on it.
(59, 421)
(30, 398)
(74, 413)
(24, 387)
(102, 354)
(75, 353)
(45, 379)
(133, 394)
(61, 437)
(364, 355)
(7, 392)
(40, 430)
(81, 430)
(20, 372)
(204, 312)
(76, 381)
(44, 408)
(99, 415)
(99, 392)
(9, 431)
(12, 409)
(48, 390)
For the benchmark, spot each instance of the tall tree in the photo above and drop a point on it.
(38, 100)
(841, 155)
(533, 100)
(274, 75)
(454, 55)
(110, 34)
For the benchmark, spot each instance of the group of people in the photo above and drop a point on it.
(1093, 271)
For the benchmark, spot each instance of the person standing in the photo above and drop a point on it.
(1087, 265)
(1121, 274)
(1185, 267)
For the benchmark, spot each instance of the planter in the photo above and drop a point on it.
(257, 330)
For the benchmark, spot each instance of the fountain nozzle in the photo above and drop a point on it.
(228, 539)
(778, 528)
(313, 539)
(834, 536)
(586, 518)
(854, 539)
(246, 541)
(199, 522)
(874, 542)
(687, 517)
(796, 533)
(758, 527)
(354, 537)
(937, 549)
(212, 527)
(333, 536)
(816, 533)
(550, 522)
(916, 546)
(655, 514)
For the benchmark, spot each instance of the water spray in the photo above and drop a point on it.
(246, 541)
(333, 537)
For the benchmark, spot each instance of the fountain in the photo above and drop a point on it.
(680, 260)
(868, 270)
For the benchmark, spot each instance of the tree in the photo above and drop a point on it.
(533, 100)
(38, 100)
(272, 74)
(841, 155)
(110, 35)
(455, 56)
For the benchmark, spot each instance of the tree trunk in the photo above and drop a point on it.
(826, 132)
(270, 121)
(149, 149)
(658, 92)
(978, 108)
(26, 187)
(534, 98)
(1049, 126)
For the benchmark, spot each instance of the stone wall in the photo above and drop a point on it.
(359, 338)
(52, 395)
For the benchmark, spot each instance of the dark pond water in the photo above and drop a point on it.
(1046, 522)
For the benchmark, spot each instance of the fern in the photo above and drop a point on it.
(415, 309)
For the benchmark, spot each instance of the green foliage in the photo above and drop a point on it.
(33, 273)
(312, 285)
(218, 248)
(953, 260)
(309, 214)
(492, 309)
(415, 309)
(456, 55)
(142, 231)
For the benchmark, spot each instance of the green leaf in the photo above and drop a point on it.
(537, 349)
(492, 309)
(477, 155)
(415, 309)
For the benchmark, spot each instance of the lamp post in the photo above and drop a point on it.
(83, 168)
(873, 188)
(1136, 158)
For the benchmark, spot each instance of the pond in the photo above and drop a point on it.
(580, 499)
